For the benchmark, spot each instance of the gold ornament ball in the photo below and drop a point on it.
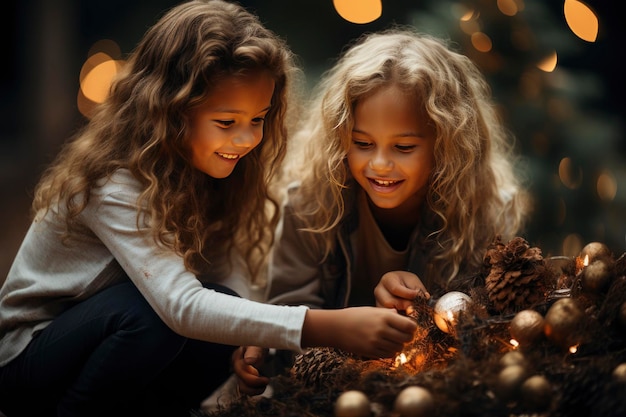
(414, 401)
(619, 373)
(352, 403)
(594, 250)
(596, 276)
(447, 308)
(536, 393)
(562, 321)
(513, 357)
(527, 327)
(510, 379)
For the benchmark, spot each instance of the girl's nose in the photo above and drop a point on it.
(380, 162)
(247, 138)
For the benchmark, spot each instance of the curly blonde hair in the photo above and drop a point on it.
(144, 126)
(474, 192)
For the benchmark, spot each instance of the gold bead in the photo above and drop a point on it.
(414, 401)
(352, 403)
(596, 276)
(526, 327)
(513, 357)
(536, 393)
(510, 379)
(562, 321)
(594, 250)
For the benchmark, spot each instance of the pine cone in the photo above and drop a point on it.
(517, 275)
(316, 366)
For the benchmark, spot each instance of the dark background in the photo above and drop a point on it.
(575, 112)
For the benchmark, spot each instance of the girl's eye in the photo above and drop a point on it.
(361, 144)
(405, 148)
(225, 123)
(258, 120)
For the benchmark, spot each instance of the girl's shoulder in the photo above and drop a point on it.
(120, 187)
(122, 180)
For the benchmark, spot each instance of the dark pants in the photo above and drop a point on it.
(111, 355)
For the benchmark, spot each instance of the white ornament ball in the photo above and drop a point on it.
(447, 308)
(414, 401)
(352, 403)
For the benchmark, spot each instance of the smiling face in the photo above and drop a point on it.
(230, 123)
(391, 155)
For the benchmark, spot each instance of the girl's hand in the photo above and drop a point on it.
(366, 331)
(398, 289)
(246, 361)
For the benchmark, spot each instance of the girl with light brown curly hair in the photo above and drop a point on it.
(123, 297)
(403, 175)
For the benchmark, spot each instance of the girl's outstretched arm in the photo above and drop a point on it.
(366, 331)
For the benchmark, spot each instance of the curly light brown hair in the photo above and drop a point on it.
(474, 192)
(144, 126)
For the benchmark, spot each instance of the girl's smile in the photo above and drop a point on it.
(384, 186)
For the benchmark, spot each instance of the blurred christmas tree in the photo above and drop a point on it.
(556, 99)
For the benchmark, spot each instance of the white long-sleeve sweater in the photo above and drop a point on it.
(48, 277)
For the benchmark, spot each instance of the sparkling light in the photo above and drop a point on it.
(400, 359)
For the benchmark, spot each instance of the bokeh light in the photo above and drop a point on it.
(507, 7)
(96, 82)
(468, 22)
(572, 244)
(97, 73)
(481, 42)
(106, 46)
(570, 175)
(359, 11)
(548, 64)
(581, 20)
(606, 186)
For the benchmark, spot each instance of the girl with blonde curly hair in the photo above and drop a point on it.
(128, 293)
(404, 175)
